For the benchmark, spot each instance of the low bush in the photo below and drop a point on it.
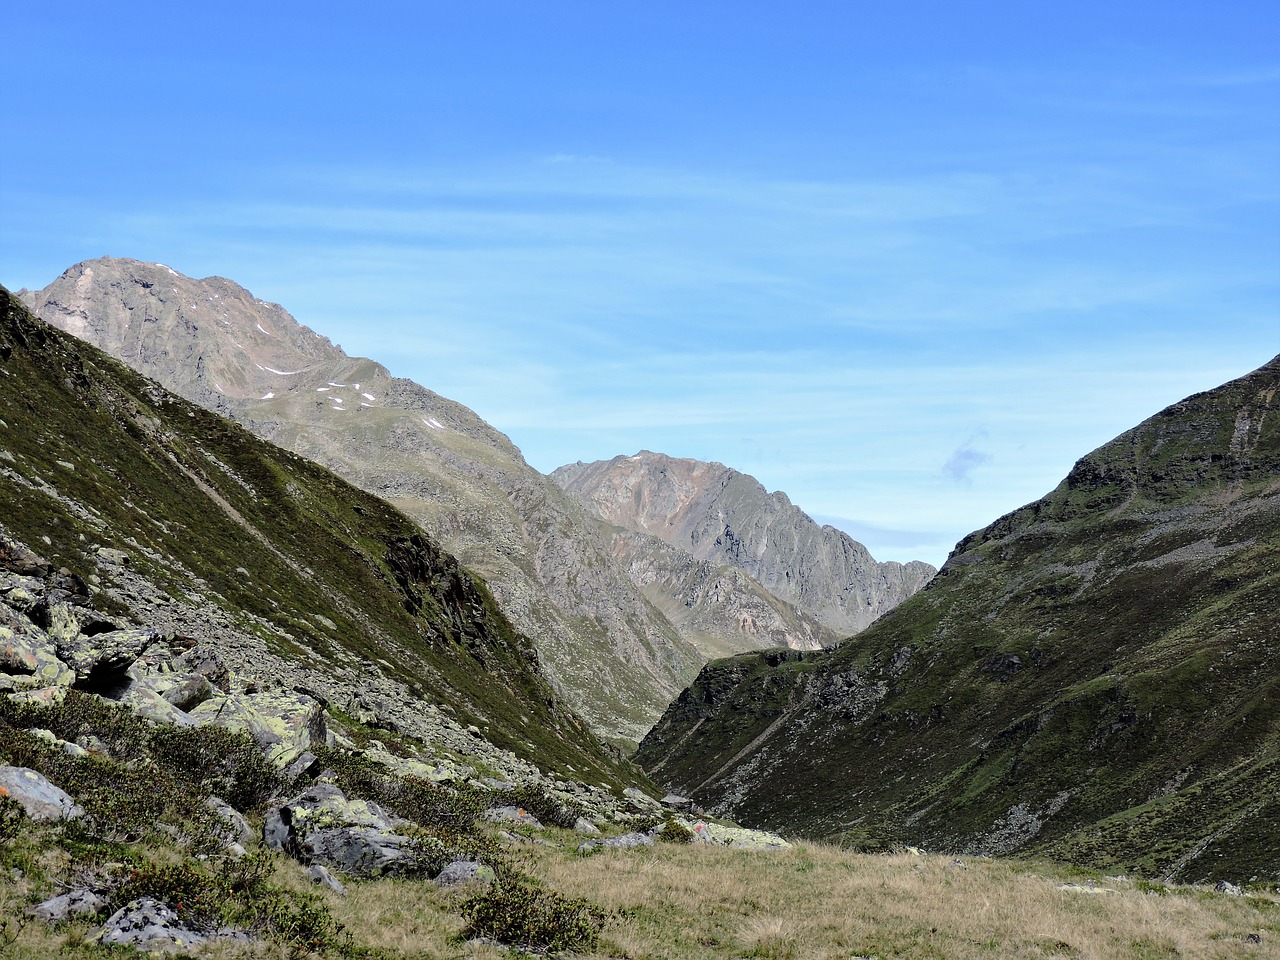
(516, 912)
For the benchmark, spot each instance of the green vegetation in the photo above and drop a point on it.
(1091, 677)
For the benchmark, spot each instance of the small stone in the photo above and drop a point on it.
(586, 827)
(464, 871)
(320, 875)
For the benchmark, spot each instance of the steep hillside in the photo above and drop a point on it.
(159, 513)
(1091, 677)
(726, 517)
(615, 658)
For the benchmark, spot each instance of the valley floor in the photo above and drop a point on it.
(811, 902)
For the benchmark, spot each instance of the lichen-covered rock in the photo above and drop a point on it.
(29, 658)
(104, 654)
(142, 697)
(72, 904)
(149, 925)
(640, 802)
(285, 724)
(741, 837)
(321, 826)
(188, 692)
(461, 872)
(39, 798)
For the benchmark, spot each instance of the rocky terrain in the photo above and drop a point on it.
(1089, 678)
(608, 651)
(727, 518)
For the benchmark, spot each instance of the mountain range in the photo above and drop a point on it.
(1091, 677)
(618, 636)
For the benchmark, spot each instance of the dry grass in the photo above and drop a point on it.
(810, 903)
(820, 902)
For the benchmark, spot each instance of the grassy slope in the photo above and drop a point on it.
(189, 494)
(1140, 723)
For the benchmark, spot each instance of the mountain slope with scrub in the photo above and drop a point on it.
(607, 650)
(1091, 677)
(171, 517)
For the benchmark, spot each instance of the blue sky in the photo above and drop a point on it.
(906, 261)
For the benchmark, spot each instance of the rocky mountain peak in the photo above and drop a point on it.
(724, 516)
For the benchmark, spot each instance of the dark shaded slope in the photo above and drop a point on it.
(1092, 676)
(93, 454)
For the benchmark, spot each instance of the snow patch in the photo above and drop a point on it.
(368, 396)
(217, 386)
(172, 271)
(323, 389)
(332, 384)
(268, 395)
(434, 424)
(363, 404)
(283, 373)
(259, 326)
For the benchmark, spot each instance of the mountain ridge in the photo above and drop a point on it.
(721, 515)
(1088, 678)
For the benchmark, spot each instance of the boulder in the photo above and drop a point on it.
(149, 925)
(104, 657)
(461, 872)
(640, 802)
(740, 837)
(321, 826)
(72, 904)
(285, 724)
(29, 658)
(39, 798)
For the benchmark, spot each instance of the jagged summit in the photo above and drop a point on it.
(720, 515)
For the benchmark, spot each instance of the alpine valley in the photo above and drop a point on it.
(301, 658)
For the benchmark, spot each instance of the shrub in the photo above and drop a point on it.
(516, 912)
(219, 761)
(534, 798)
(675, 832)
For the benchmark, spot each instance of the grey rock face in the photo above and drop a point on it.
(610, 653)
(720, 515)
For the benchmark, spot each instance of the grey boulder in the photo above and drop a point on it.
(39, 798)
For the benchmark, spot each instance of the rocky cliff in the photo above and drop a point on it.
(725, 517)
(606, 648)
(1091, 677)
